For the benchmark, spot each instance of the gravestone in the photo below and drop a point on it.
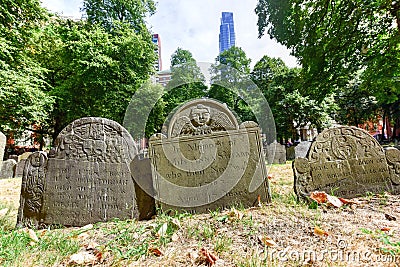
(3, 141)
(348, 162)
(8, 169)
(290, 153)
(302, 148)
(141, 169)
(276, 153)
(21, 163)
(208, 161)
(87, 177)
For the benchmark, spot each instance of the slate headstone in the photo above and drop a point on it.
(8, 169)
(276, 153)
(302, 148)
(348, 162)
(208, 161)
(87, 176)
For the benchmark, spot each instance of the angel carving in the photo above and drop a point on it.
(201, 122)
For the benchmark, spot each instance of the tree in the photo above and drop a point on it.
(92, 72)
(107, 12)
(187, 81)
(230, 78)
(23, 102)
(291, 106)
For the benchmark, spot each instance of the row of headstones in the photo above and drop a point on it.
(13, 166)
(277, 153)
(87, 176)
(205, 162)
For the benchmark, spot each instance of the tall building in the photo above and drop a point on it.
(226, 32)
(158, 63)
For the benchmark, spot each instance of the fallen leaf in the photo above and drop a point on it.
(83, 257)
(390, 217)
(163, 230)
(33, 235)
(270, 177)
(86, 227)
(155, 251)
(3, 212)
(318, 231)
(267, 241)
(385, 229)
(334, 201)
(319, 197)
(207, 257)
(175, 237)
(348, 201)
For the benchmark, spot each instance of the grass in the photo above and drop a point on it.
(231, 235)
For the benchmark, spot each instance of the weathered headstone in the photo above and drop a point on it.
(290, 153)
(8, 169)
(347, 162)
(87, 177)
(141, 169)
(302, 148)
(276, 153)
(3, 141)
(20, 168)
(208, 161)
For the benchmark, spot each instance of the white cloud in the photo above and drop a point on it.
(194, 25)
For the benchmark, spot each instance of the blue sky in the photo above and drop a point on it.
(194, 25)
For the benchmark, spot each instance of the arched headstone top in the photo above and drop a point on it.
(201, 116)
(344, 143)
(95, 139)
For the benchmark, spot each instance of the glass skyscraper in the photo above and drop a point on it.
(226, 32)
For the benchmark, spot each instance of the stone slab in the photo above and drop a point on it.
(208, 162)
(3, 141)
(87, 176)
(302, 148)
(347, 162)
(8, 169)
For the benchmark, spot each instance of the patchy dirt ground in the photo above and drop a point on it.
(282, 233)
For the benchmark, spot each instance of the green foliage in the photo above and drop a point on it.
(291, 102)
(339, 41)
(187, 81)
(110, 13)
(229, 78)
(92, 72)
(22, 100)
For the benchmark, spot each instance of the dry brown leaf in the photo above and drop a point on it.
(334, 201)
(390, 217)
(318, 231)
(207, 257)
(385, 229)
(348, 201)
(319, 197)
(155, 251)
(267, 241)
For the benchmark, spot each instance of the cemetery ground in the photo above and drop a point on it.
(364, 232)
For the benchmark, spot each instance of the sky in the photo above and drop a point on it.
(194, 25)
